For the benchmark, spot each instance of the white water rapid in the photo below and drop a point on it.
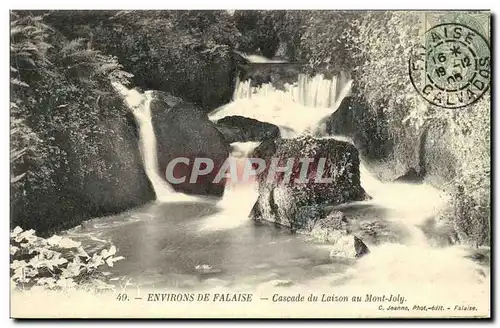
(240, 194)
(296, 110)
(397, 267)
(411, 266)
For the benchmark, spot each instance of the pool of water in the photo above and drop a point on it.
(168, 245)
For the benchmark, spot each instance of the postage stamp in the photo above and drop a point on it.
(451, 68)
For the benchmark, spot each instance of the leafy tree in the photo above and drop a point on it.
(187, 53)
(266, 31)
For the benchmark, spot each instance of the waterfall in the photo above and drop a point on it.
(254, 58)
(240, 194)
(391, 266)
(317, 96)
(139, 104)
(299, 109)
(235, 187)
(309, 91)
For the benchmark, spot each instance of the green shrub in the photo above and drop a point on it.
(57, 263)
(383, 45)
(394, 119)
(185, 52)
(66, 122)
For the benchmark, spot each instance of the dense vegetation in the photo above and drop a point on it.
(451, 147)
(399, 130)
(73, 142)
(57, 263)
(73, 149)
(187, 53)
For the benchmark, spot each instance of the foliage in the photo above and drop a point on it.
(327, 39)
(372, 46)
(187, 53)
(259, 31)
(56, 87)
(383, 47)
(57, 263)
(472, 186)
(272, 32)
(375, 47)
(321, 37)
(62, 104)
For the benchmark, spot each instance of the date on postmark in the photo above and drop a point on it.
(451, 68)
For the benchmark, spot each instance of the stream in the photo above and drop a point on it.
(183, 242)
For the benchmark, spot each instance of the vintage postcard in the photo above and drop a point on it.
(250, 164)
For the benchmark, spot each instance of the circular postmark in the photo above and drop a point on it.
(451, 68)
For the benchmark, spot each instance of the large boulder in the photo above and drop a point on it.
(122, 182)
(283, 202)
(184, 130)
(393, 151)
(366, 128)
(110, 181)
(450, 152)
(243, 129)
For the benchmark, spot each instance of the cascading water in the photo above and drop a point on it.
(316, 91)
(237, 185)
(194, 246)
(296, 110)
(240, 192)
(299, 109)
(139, 104)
